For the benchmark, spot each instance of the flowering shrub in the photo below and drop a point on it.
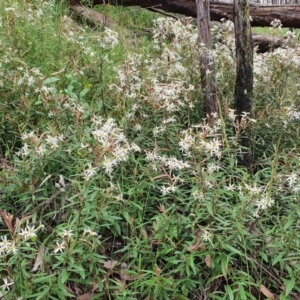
(114, 185)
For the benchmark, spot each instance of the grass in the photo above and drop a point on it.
(276, 32)
(113, 185)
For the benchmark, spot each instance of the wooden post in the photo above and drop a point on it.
(244, 72)
(208, 85)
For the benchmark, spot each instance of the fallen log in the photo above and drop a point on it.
(265, 43)
(262, 15)
(91, 16)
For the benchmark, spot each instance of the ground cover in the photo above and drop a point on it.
(113, 186)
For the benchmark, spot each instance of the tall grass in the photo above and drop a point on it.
(113, 185)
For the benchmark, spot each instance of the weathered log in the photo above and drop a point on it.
(90, 15)
(262, 15)
(265, 43)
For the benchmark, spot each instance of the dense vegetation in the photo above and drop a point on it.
(113, 186)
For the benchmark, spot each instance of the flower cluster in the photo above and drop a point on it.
(109, 39)
(39, 144)
(66, 235)
(12, 246)
(7, 247)
(114, 144)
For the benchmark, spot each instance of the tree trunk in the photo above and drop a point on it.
(206, 61)
(262, 15)
(244, 75)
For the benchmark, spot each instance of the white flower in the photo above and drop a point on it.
(164, 190)
(89, 232)
(41, 150)
(67, 233)
(30, 232)
(110, 39)
(59, 247)
(7, 284)
(255, 190)
(255, 214)
(152, 156)
(119, 197)
(198, 195)
(135, 147)
(264, 202)
(206, 235)
(108, 164)
(212, 168)
(5, 244)
(52, 141)
(230, 187)
(89, 172)
(291, 179)
(13, 249)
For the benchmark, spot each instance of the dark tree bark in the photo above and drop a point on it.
(244, 74)
(206, 62)
(262, 15)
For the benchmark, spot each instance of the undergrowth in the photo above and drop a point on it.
(113, 186)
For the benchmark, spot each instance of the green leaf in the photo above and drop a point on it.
(290, 286)
(192, 265)
(298, 210)
(289, 222)
(208, 205)
(43, 291)
(64, 275)
(242, 292)
(224, 265)
(50, 80)
(278, 258)
(137, 205)
(38, 103)
(229, 292)
(264, 256)
(78, 269)
(126, 216)
(83, 93)
(283, 297)
(232, 249)
(43, 278)
(24, 264)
